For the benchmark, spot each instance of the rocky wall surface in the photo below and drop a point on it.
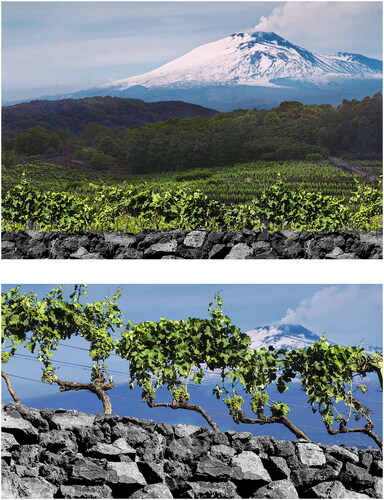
(200, 244)
(66, 454)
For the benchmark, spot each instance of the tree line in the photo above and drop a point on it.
(175, 353)
(74, 114)
(292, 131)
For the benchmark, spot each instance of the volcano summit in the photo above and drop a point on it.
(248, 70)
(254, 70)
(259, 58)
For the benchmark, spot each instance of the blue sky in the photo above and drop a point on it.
(53, 47)
(347, 314)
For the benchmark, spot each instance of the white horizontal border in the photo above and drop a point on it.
(192, 271)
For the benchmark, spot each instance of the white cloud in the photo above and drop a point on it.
(345, 314)
(328, 26)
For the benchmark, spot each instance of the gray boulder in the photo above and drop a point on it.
(58, 440)
(8, 443)
(125, 473)
(204, 489)
(250, 467)
(136, 436)
(305, 477)
(284, 449)
(31, 414)
(356, 477)
(184, 430)
(81, 491)
(33, 487)
(12, 422)
(195, 239)
(112, 451)
(240, 251)
(213, 469)
(159, 249)
(278, 468)
(120, 240)
(277, 489)
(310, 454)
(328, 489)
(153, 491)
(71, 419)
(343, 454)
(153, 472)
(186, 449)
(87, 471)
(222, 452)
(27, 454)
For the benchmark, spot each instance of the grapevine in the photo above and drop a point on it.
(54, 319)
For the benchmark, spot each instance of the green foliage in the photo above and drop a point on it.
(299, 210)
(135, 208)
(366, 208)
(101, 161)
(314, 157)
(170, 352)
(234, 405)
(291, 131)
(8, 158)
(193, 175)
(45, 210)
(53, 319)
(280, 410)
(115, 114)
(258, 400)
(180, 394)
(36, 141)
(326, 373)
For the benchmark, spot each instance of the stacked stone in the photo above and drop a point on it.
(201, 244)
(66, 454)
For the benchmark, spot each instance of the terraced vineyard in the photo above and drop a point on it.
(301, 195)
(237, 184)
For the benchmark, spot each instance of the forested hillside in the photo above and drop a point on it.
(291, 131)
(74, 114)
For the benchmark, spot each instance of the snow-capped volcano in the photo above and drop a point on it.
(284, 336)
(248, 70)
(252, 59)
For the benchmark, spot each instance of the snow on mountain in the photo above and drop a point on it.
(252, 59)
(284, 336)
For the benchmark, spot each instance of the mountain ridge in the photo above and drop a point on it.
(257, 58)
(288, 336)
(249, 70)
(109, 111)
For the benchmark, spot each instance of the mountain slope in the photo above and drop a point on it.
(74, 114)
(285, 336)
(252, 59)
(282, 337)
(248, 70)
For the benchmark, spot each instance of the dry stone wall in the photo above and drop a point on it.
(200, 244)
(66, 454)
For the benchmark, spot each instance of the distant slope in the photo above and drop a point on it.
(282, 337)
(260, 59)
(250, 70)
(74, 114)
(285, 336)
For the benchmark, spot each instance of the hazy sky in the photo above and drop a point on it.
(53, 47)
(346, 314)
